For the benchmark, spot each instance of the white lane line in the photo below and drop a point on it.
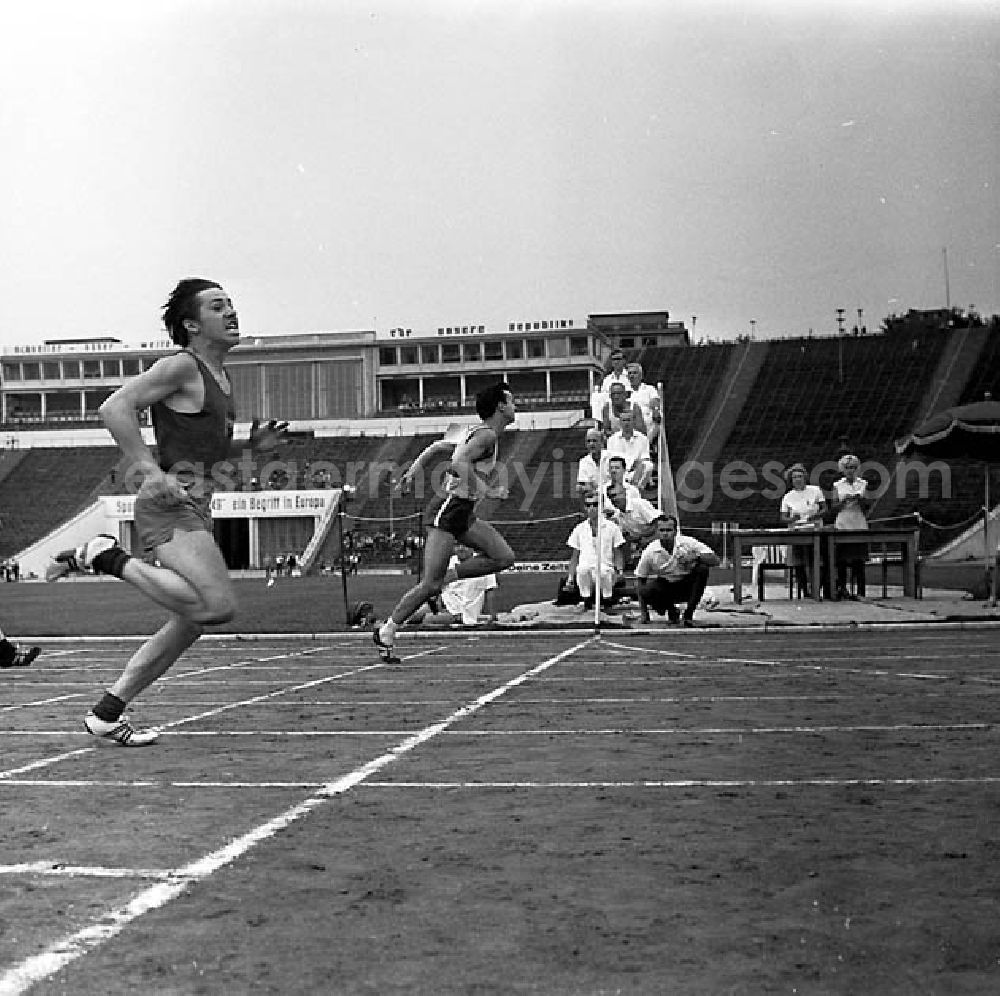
(179, 722)
(59, 870)
(675, 783)
(285, 691)
(703, 660)
(44, 763)
(251, 662)
(22, 976)
(145, 783)
(41, 702)
(629, 731)
(686, 783)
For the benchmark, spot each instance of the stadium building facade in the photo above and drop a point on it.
(334, 384)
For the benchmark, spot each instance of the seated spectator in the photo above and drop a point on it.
(618, 404)
(626, 507)
(802, 507)
(592, 470)
(645, 396)
(633, 445)
(851, 503)
(673, 568)
(467, 600)
(583, 567)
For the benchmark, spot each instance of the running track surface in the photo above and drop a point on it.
(260, 736)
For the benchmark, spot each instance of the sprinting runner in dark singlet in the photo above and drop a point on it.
(452, 518)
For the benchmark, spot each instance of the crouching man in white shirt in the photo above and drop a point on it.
(672, 569)
(582, 571)
(467, 600)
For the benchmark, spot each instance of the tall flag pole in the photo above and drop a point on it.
(667, 496)
(601, 486)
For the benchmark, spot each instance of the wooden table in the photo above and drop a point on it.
(815, 540)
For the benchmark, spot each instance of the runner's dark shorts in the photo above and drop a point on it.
(156, 521)
(453, 515)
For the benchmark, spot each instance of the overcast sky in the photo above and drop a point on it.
(350, 165)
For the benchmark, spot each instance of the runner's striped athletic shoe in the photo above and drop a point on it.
(384, 649)
(81, 559)
(120, 733)
(22, 657)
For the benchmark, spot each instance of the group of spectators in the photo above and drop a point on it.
(671, 569)
(11, 570)
(281, 565)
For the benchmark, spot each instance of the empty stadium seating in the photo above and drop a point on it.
(809, 396)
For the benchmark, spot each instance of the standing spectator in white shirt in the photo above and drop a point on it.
(851, 503)
(644, 395)
(583, 568)
(802, 507)
(617, 374)
(592, 471)
(672, 569)
(633, 445)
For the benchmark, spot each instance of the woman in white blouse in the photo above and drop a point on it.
(802, 507)
(851, 503)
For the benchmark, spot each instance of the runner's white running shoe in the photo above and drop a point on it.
(81, 559)
(120, 733)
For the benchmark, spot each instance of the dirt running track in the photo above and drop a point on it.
(695, 813)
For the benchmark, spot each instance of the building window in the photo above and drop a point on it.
(408, 354)
(450, 352)
(131, 366)
(557, 348)
(91, 370)
(472, 352)
(578, 345)
(31, 371)
(536, 349)
(626, 342)
(387, 356)
(650, 340)
(111, 368)
(514, 349)
(493, 350)
(429, 354)
(12, 371)
(50, 371)
(71, 369)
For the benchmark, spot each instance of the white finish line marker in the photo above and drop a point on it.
(41, 966)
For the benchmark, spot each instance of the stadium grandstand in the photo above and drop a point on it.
(362, 404)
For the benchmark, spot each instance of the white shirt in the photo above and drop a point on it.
(644, 395)
(609, 416)
(613, 378)
(638, 512)
(802, 505)
(583, 539)
(588, 473)
(634, 448)
(465, 597)
(851, 516)
(672, 566)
